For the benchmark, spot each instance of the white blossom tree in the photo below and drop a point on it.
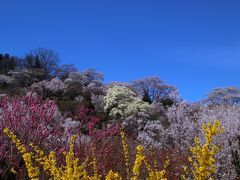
(54, 87)
(227, 95)
(121, 102)
(83, 83)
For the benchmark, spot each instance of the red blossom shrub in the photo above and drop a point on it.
(103, 137)
(86, 116)
(177, 160)
(33, 121)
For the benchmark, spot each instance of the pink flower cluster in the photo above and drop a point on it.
(32, 120)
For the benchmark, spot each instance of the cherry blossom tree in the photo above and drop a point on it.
(227, 95)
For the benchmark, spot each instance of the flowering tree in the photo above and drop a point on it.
(183, 120)
(64, 71)
(83, 83)
(98, 102)
(33, 120)
(171, 128)
(26, 77)
(6, 81)
(154, 134)
(228, 95)
(54, 87)
(154, 89)
(121, 102)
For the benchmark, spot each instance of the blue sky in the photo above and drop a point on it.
(194, 44)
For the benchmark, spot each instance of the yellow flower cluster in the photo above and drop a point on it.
(113, 176)
(33, 172)
(153, 173)
(202, 158)
(126, 153)
(138, 161)
(71, 171)
(157, 175)
(48, 162)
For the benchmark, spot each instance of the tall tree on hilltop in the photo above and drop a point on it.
(153, 89)
(44, 59)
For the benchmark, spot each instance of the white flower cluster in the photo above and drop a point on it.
(98, 102)
(87, 82)
(183, 120)
(121, 102)
(54, 86)
(229, 140)
(175, 128)
(6, 80)
(77, 83)
(154, 135)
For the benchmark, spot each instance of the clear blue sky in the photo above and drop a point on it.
(192, 44)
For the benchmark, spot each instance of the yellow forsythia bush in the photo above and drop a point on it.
(202, 160)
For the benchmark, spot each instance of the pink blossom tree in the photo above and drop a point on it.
(33, 121)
